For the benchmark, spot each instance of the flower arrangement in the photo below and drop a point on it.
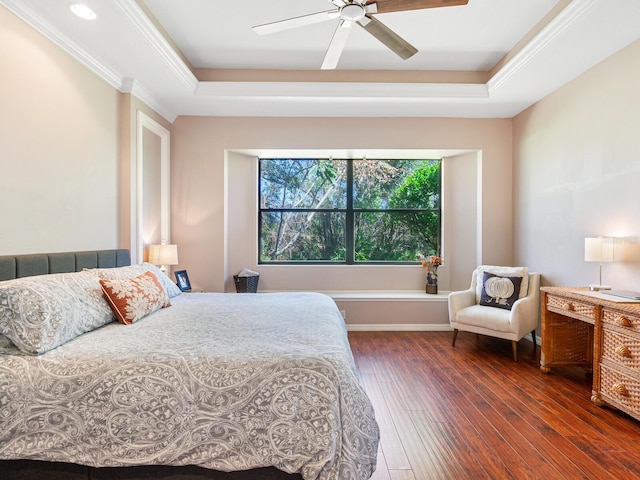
(431, 264)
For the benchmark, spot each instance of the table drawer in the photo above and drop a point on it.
(621, 348)
(621, 319)
(620, 388)
(572, 308)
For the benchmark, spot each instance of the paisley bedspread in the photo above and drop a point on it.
(223, 381)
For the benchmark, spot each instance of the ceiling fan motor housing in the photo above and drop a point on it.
(352, 12)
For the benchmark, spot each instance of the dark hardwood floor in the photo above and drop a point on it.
(471, 412)
(468, 412)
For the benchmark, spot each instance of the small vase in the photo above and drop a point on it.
(432, 288)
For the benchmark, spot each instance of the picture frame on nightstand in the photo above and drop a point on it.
(182, 280)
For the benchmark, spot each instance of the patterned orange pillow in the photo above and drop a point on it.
(133, 298)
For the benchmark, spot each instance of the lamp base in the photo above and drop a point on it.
(596, 288)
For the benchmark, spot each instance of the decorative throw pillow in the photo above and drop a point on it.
(522, 272)
(131, 271)
(40, 313)
(134, 298)
(498, 291)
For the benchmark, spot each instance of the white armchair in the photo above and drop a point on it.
(466, 313)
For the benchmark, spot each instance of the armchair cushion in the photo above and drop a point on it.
(494, 319)
(499, 291)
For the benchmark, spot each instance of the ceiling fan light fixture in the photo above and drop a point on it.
(352, 12)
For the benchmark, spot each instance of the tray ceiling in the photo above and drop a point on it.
(487, 59)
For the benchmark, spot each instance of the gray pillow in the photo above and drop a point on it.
(40, 313)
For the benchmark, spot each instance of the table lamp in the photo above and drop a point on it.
(599, 249)
(163, 255)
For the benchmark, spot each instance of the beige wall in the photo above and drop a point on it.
(213, 194)
(66, 149)
(462, 194)
(577, 174)
(59, 150)
(152, 193)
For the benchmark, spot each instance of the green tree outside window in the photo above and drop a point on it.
(348, 211)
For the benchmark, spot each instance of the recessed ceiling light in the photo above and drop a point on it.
(82, 11)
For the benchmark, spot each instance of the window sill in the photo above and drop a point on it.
(386, 296)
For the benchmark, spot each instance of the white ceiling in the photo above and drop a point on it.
(206, 60)
(220, 36)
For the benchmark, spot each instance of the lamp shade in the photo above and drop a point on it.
(163, 254)
(599, 249)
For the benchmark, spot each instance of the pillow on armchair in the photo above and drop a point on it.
(499, 291)
(522, 272)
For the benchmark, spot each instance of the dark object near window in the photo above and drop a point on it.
(246, 284)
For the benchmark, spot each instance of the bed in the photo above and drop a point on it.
(228, 382)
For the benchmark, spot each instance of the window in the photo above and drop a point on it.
(348, 211)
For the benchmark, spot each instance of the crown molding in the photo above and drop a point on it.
(569, 16)
(143, 94)
(155, 39)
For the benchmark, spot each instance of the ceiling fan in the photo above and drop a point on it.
(361, 12)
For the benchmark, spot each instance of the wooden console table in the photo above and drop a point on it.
(590, 330)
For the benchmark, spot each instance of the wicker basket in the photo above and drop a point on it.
(246, 284)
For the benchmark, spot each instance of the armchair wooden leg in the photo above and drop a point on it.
(455, 335)
(533, 336)
(514, 347)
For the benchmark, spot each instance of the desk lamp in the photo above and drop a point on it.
(599, 250)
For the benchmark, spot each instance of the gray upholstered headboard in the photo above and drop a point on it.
(16, 266)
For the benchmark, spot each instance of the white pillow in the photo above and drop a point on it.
(41, 313)
(132, 271)
(504, 272)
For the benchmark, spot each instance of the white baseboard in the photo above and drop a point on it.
(399, 327)
(412, 327)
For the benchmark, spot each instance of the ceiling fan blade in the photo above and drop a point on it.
(392, 40)
(296, 22)
(337, 44)
(387, 6)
